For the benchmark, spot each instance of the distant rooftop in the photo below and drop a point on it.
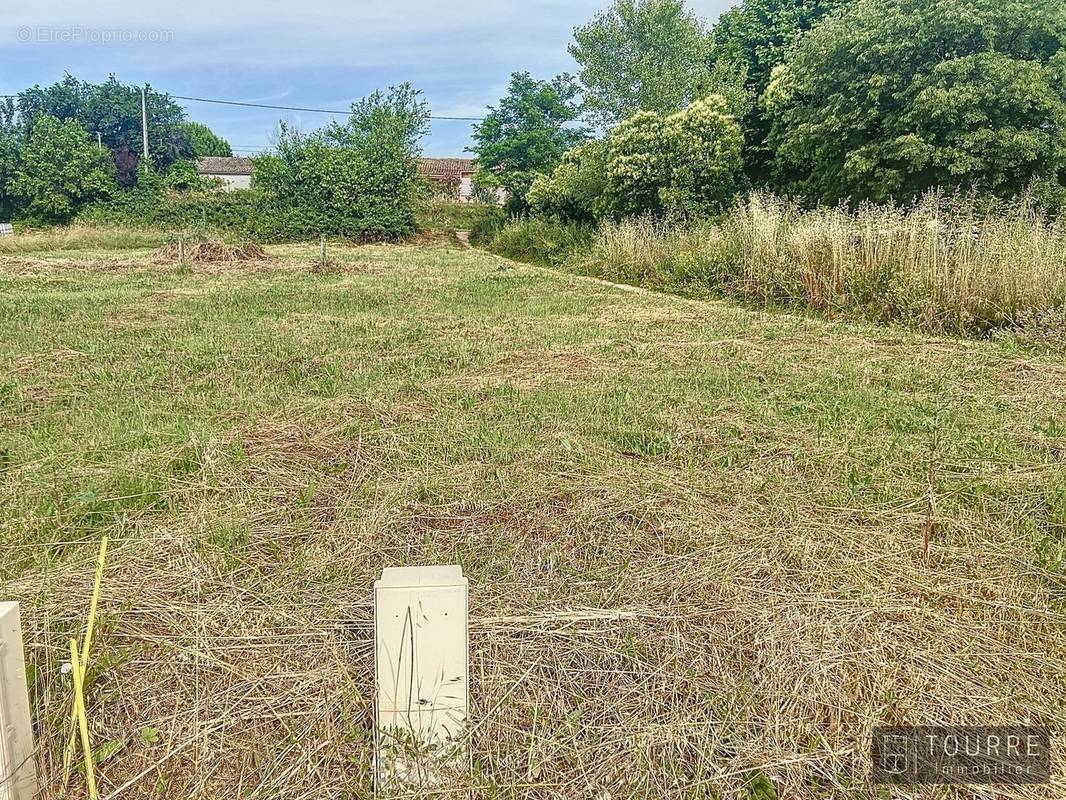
(445, 168)
(434, 168)
(224, 165)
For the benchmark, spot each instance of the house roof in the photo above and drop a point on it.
(434, 168)
(224, 165)
(445, 168)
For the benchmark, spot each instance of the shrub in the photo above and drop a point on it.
(637, 165)
(244, 213)
(574, 191)
(704, 146)
(358, 179)
(182, 176)
(688, 164)
(541, 241)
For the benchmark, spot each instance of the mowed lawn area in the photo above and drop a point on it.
(709, 547)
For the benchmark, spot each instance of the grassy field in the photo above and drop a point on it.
(708, 547)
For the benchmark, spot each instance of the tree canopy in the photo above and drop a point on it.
(113, 110)
(527, 134)
(747, 43)
(203, 141)
(886, 100)
(641, 55)
(58, 168)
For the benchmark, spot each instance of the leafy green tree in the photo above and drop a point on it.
(704, 146)
(886, 100)
(526, 134)
(182, 176)
(637, 164)
(755, 35)
(59, 169)
(203, 141)
(9, 152)
(747, 43)
(688, 164)
(574, 190)
(358, 178)
(113, 110)
(641, 55)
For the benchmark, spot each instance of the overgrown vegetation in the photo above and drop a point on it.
(246, 213)
(943, 95)
(356, 179)
(837, 105)
(442, 214)
(939, 265)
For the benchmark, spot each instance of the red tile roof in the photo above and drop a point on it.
(445, 168)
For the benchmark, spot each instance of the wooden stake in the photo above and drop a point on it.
(421, 663)
(322, 252)
(181, 249)
(18, 772)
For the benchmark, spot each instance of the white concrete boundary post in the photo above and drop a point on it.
(18, 772)
(421, 677)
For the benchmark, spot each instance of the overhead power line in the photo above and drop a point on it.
(298, 108)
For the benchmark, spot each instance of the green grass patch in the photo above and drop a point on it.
(695, 532)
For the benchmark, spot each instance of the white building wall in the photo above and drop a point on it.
(231, 182)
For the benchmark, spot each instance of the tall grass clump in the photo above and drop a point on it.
(541, 240)
(942, 265)
(646, 251)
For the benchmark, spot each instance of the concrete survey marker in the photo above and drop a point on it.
(421, 677)
(18, 773)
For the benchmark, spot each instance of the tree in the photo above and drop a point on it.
(687, 165)
(9, 152)
(884, 101)
(747, 43)
(203, 141)
(704, 145)
(641, 55)
(637, 165)
(356, 179)
(113, 110)
(527, 134)
(575, 189)
(59, 169)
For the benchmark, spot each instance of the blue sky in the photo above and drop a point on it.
(321, 54)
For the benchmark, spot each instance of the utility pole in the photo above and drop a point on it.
(99, 141)
(144, 122)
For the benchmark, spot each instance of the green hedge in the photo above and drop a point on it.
(244, 213)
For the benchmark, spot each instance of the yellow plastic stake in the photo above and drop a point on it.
(83, 721)
(68, 753)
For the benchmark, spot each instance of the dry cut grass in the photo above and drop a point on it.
(709, 548)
